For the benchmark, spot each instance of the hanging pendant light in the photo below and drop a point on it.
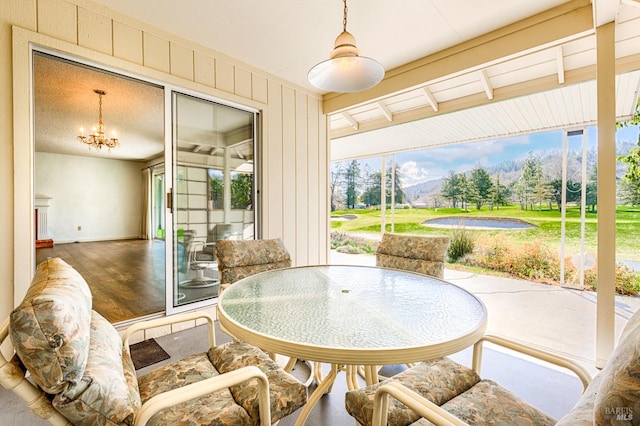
(346, 71)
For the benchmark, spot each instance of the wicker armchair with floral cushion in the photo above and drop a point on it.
(79, 368)
(421, 254)
(444, 392)
(238, 259)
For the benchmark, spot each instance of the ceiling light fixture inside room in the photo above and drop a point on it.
(97, 139)
(346, 71)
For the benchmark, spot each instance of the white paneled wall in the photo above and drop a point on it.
(293, 153)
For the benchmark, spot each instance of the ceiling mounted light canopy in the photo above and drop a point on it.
(346, 71)
(98, 139)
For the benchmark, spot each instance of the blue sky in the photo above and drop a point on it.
(429, 164)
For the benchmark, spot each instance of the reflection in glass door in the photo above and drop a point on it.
(213, 191)
(158, 206)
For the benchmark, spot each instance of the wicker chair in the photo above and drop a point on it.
(424, 255)
(444, 392)
(238, 259)
(420, 254)
(80, 371)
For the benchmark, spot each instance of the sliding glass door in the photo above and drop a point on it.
(213, 192)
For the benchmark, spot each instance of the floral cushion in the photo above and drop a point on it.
(426, 267)
(287, 394)
(582, 413)
(424, 255)
(618, 395)
(488, 403)
(105, 395)
(50, 328)
(238, 259)
(216, 408)
(438, 380)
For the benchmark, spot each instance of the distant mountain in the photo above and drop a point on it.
(509, 171)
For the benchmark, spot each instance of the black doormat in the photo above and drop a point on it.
(146, 353)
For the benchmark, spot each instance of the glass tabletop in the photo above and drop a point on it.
(353, 309)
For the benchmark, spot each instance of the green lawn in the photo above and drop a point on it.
(547, 221)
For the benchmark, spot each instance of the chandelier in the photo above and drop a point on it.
(98, 139)
(346, 71)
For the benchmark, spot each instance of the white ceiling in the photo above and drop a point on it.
(519, 93)
(286, 38)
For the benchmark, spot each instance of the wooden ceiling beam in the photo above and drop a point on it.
(555, 26)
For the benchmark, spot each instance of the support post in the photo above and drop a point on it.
(605, 80)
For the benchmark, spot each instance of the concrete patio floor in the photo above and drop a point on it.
(550, 317)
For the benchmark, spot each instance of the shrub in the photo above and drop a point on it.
(627, 281)
(461, 244)
(345, 243)
(533, 260)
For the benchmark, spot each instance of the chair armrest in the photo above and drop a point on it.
(411, 399)
(12, 377)
(583, 374)
(194, 390)
(173, 319)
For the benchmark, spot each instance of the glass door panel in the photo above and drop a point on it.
(213, 195)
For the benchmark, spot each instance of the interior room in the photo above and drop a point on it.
(219, 121)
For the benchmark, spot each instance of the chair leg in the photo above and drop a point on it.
(199, 281)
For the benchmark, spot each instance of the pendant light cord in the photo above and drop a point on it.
(344, 20)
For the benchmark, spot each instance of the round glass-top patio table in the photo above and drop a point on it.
(351, 315)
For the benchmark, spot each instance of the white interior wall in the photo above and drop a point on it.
(99, 195)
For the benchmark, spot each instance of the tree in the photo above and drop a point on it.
(352, 180)
(335, 181)
(500, 194)
(398, 191)
(629, 192)
(572, 190)
(451, 189)
(371, 195)
(480, 187)
(632, 159)
(216, 189)
(369, 180)
(467, 190)
(592, 189)
(529, 182)
(241, 191)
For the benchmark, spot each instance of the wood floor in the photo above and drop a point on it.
(126, 277)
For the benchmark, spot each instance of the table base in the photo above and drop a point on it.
(326, 383)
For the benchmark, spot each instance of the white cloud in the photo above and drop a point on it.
(412, 173)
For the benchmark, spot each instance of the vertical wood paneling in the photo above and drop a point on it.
(127, 43)
(224, 76)
(94, 31)
(313, 188)
(204, 69)
(288, 170)
(323, 178)
(22, 13)
(259, 88)
(242, 80)
(272, 199)
(303, 197)
(58, 19)
(181, 61)
(156, 53)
